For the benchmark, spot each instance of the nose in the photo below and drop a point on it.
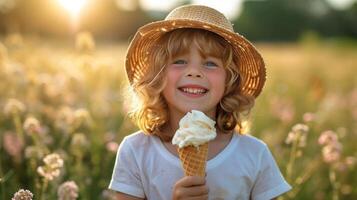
(194, 70)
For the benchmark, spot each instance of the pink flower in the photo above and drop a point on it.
(332, 152)
(327, 137)
(309, 117)
(112, 146)
(332, 148)
(13, 145)
(68, 191)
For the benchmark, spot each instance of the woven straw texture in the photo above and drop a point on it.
(193, 160)
(250, 63)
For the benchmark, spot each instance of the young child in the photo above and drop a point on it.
(193, 60)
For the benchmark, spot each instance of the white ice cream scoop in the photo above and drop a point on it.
(195, 129)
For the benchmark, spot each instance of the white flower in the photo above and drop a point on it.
(51, 169)
(14, 106)
(22, 195)
(32, 125)
(298, 133)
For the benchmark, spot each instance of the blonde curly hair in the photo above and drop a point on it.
(150, 111)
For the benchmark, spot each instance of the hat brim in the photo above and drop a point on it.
(250, 62)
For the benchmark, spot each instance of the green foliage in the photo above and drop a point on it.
(282, 20)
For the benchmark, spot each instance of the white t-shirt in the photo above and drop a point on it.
(245, 169)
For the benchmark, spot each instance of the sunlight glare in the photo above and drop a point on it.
(157, 5)
(230, 8)
(341, 4)
(72, 6)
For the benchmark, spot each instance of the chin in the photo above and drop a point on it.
(204, 110)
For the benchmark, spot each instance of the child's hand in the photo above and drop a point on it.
(190, 188)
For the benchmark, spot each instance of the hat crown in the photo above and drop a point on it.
(200, 13)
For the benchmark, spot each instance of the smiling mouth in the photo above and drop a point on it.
(193, 90)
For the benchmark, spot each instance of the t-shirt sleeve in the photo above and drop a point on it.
(269, 183)
(126, 174)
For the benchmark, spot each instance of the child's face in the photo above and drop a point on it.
(194, 83)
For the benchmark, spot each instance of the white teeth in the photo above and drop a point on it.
(194, 90)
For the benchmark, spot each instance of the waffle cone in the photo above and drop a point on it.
(193, 159)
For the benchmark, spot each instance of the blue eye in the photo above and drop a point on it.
(210, 64)
(179, 62)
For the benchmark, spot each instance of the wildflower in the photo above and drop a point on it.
(85, 42)
(22, 195)
(332, 152)
(51, 169)
(298, 133)
(327, 137)
(13, 145)
(13, 107)
(332, 148)
(82, 117)
(67, 191)
(112, 146)
(53, 160)
(309, 117)
(32, 125)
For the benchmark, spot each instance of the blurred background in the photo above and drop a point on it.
(264, 20)
(62, 87)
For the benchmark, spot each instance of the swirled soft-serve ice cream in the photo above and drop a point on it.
(195, 129)
(192, 137)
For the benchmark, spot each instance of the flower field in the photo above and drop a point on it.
(62, 116)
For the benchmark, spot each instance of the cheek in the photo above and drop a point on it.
(218, 79)
(171, 81)
(172, 74)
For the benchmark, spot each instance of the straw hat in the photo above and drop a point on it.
(250, 63)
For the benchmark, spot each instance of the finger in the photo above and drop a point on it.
(203, 197)
(199, 190)
(193, 191)
(189, 181)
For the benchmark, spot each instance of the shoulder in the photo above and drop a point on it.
(138, 137)
(137, 142)
(250, 142)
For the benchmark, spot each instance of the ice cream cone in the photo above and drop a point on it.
(193, 159)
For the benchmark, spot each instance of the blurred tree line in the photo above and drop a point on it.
(275, 20)
(267, 20)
